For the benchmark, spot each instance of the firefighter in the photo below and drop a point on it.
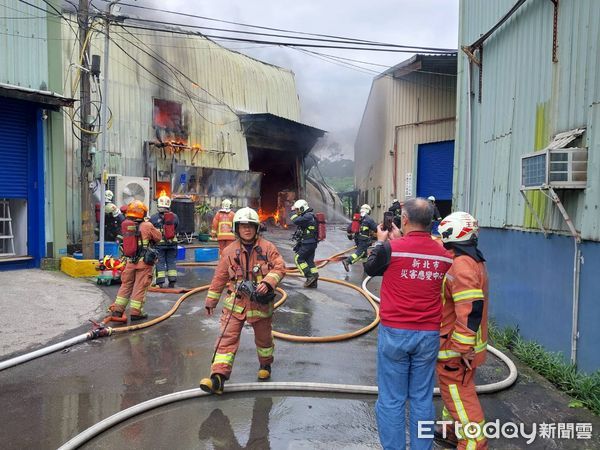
(250, 268)
(112, 222)
(306, 242)
(463, 335)
(436, 212)
(362, 237)
(112, 217)
(138, 236)
(167, 222)
(222, 226)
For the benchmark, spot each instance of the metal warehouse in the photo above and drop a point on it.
(528, 82)
(405, 143)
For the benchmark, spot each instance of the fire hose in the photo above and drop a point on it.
(140, 408)
(346, 389)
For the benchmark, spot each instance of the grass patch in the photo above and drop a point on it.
(582, 387)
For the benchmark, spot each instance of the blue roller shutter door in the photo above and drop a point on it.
(15, 134)
(435, 163)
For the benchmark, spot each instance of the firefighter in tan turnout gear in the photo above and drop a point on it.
(222, 226)
(250, 268)
(463, 335)
(139, 237)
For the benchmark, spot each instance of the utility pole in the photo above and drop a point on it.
(104, 118)
(87, 175)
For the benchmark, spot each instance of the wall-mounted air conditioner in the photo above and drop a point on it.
(563, 168)
(128, 189)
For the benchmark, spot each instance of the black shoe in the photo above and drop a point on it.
(171, 284)
(311, 281)
(450, 439)
(264, 372)
(138, 317)
(213, 385)
(346, 265)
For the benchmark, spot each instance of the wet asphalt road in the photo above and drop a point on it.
(47, 401)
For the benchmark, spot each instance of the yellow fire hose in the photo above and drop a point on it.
(321, 262)
(337, 337)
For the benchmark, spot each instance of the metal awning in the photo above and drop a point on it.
(50, 100)
(442, 64)
(272, 132)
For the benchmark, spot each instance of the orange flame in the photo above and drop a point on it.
(263, 216)
(162, 193)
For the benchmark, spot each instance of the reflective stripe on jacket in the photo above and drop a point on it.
(222, 226)
(307, 226)
(235, 265)
(465, 310)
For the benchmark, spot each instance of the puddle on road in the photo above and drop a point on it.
(259, 422)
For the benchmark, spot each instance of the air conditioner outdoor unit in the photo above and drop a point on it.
(563, 168)
(128, 189)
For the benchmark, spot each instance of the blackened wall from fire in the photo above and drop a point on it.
(280, 173)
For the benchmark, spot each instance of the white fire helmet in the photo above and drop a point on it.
(431, 198)
(226, 205)
(245, 215)
(163, 202)
(458, 227)
(300, 205)
(364, 210)
(108, 196)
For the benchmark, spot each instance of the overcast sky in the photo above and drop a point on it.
(331, 97)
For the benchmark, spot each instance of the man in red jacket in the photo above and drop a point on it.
(413, 268)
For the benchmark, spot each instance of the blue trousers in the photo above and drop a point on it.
(166, 264)
(406, 362)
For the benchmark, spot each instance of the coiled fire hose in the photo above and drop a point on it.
(140, 408)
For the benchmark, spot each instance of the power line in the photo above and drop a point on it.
(282, 44)
(165, 82)
(337, 63)
(20, 18)
(356, 40)
(352, 60)
(156, 56)
(339, 41)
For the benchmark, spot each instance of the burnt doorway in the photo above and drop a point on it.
(280, 174)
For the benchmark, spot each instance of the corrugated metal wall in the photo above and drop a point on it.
(23, 44)
(525, 100)
(220, 82)
(394, 108)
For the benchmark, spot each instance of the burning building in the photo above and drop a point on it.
(198, 121)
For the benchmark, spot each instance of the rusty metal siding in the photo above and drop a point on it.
(23, 44)
(525, 100)
(394, 114)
